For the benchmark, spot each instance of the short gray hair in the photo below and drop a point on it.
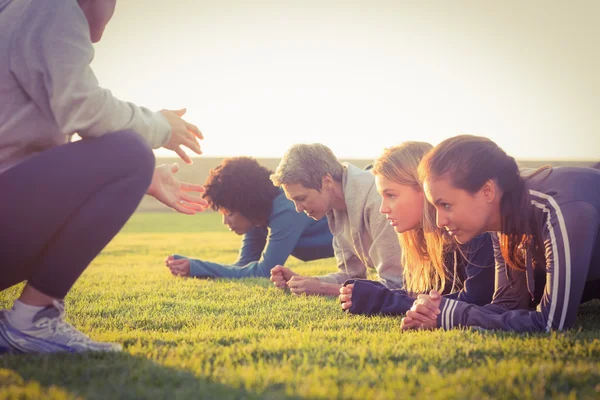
(307, 164)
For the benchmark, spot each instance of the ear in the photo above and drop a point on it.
(489, 190)
(327, 182)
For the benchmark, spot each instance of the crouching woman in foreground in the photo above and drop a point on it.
(545, 222)
(432, 260)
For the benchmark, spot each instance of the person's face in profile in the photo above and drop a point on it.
(314, 203)
(235, 221)
(401, 204)
(97, 13)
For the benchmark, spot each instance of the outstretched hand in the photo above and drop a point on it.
(182, 134)
(175, 194)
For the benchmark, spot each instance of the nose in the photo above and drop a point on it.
(441, 219)
(299, 207)
(384, 208)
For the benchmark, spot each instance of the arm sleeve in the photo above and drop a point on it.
(371, 297)
(569, 237)
(253, 244)
(385, 250)
(51, 61)
(285, 229)
(349, 266)
(478, 287)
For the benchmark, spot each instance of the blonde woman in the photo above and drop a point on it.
(432, 260)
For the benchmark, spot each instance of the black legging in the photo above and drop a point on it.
(61, 207)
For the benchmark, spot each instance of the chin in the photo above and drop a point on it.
(464, 238)
(399, 229)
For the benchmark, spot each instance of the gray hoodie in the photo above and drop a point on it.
(362, 236)
(48, 90)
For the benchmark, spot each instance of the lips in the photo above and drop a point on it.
(393, 222)
(452, 232)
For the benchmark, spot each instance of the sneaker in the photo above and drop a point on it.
(50, 334)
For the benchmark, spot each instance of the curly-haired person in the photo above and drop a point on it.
(240, 189)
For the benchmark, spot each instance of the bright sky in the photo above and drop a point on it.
(359, 76)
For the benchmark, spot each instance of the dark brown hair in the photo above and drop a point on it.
(241, 184)
(469, 162)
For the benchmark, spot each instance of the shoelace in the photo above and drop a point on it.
(59, 326)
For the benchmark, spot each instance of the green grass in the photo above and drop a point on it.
(192, 338)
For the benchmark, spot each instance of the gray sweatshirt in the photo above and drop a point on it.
(362, 236)
(48, 90)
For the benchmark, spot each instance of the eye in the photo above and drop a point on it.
(390, 196)
(445, 206)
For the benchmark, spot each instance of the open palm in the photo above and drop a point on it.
(175, 194)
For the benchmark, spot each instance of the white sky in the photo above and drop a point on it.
(359, 76)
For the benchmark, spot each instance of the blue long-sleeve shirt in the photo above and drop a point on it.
(287, 233)
(476, 273)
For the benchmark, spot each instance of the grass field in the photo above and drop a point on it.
(191, 338)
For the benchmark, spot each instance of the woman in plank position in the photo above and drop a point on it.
(431, 258)
(547, 221)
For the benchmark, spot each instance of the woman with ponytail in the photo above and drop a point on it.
(545, 231)
(432, 260)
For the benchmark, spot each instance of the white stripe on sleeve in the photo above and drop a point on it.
(556, 275)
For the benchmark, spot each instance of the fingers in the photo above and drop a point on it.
(194, 130)
(279, 282)
(184, 208)
(424, 310)
(408, 323)
(179, 113)
(347, 289)
(345, 297)
(182, 155)
(191, 143)
(417, 316)
(170, 257)
(194, 202)
(174, 168)
(425, 300)
(346, 305)
(435, 295)
(177, 270)
(297, 290)
(276, 269)
(174, 262)
(191, 187)
(277, 277)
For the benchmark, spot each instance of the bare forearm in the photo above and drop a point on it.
(330, 289)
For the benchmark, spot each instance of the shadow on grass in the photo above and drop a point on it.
(108, 376)
(588, 315)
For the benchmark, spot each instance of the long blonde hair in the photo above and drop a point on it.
(423, 248)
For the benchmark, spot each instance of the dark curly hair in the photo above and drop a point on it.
(241, 184)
